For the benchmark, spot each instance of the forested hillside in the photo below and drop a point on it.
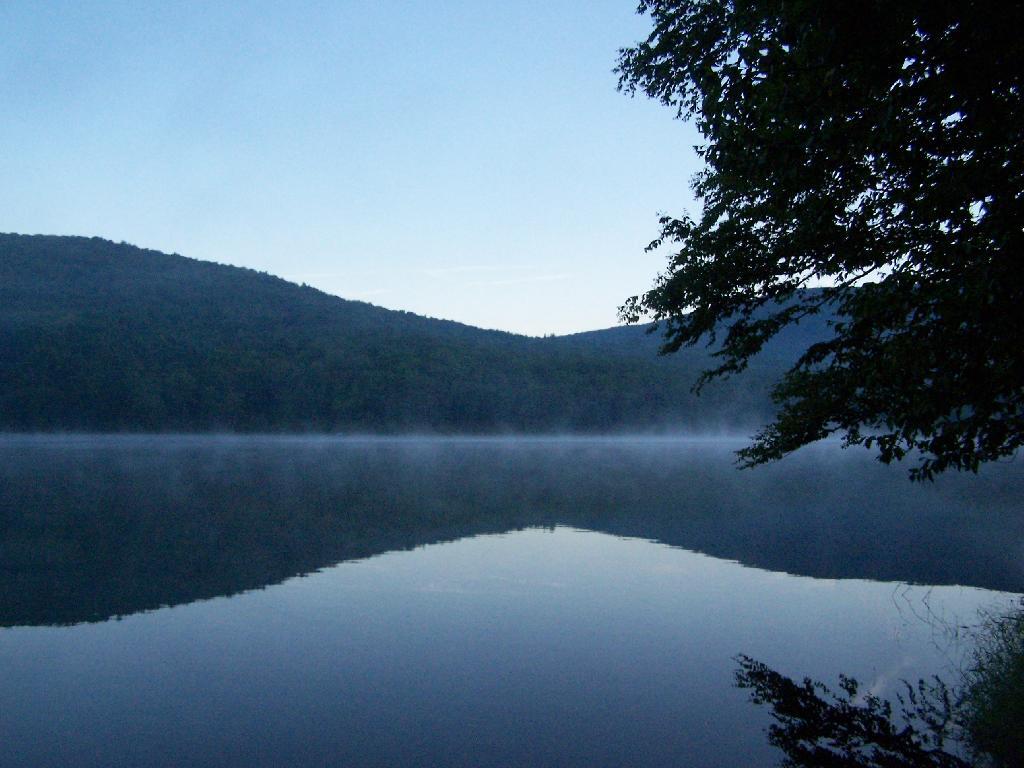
(96, 335)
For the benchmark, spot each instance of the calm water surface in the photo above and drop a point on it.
(276, 601)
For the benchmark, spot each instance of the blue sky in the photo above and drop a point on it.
(464, 160)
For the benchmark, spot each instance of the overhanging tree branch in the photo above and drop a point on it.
(895, 179)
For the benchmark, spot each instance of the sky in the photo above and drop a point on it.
(459, 159)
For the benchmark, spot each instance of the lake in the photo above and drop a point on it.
(278, 601)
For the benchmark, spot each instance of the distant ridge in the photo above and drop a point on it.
(101, 336)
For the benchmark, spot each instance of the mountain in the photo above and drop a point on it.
(101, 336)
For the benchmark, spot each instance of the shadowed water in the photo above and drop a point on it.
(580, 603)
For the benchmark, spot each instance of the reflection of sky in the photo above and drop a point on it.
(386, 151)
(534, 647)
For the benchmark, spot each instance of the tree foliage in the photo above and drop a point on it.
(874, 150)
(994, 689)
(99, 336)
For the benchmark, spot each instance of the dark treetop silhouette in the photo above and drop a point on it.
(876, 148)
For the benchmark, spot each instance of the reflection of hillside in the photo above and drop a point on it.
(88, 534)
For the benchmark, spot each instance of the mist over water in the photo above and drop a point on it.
(468, 601)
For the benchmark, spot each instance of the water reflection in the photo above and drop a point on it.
(534, 648)
(100, 527)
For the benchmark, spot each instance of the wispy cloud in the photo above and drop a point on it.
(495, 275)
(475, 268)
(312, 275)
(487, 276)
(520, 280)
